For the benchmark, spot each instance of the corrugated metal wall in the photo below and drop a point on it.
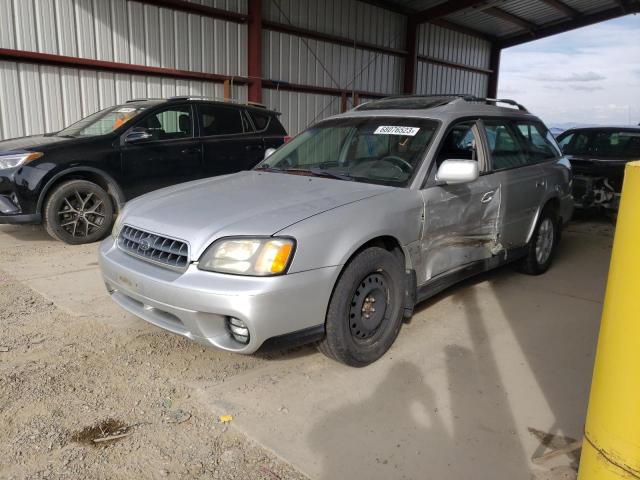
(46, 98)
(294, 59)
(37, 98)
(451, 46)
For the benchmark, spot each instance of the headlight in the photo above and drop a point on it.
(16, 159)
(248, 256)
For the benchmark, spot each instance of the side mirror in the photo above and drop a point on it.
(138, 135)
(268, 152)
(457, 171)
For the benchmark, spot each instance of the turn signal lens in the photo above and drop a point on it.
(274, 257)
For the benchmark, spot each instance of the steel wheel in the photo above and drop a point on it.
(545, 241)
(368, 306)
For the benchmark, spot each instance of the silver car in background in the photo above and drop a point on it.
(337, 235)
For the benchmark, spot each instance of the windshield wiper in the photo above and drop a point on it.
(327, 173)
(65, 136)
(267, 168)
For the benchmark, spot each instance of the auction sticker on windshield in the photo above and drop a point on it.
(391, 130)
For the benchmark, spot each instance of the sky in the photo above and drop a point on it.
(587, 76)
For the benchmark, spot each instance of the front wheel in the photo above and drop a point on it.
(365, 310)
(542, 247)
(78, 212)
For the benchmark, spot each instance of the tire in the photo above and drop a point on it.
(544, 242)
(77, 212)
(372, 278)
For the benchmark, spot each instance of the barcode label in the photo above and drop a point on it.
(391, 130)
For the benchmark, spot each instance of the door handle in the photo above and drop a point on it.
(190, 150)
(487, 197)
(540, 184)
(253, 147)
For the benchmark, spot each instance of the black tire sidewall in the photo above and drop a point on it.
(54, 202)
(340, 343)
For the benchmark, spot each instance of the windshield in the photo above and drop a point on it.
(102, 122)
(382, 150)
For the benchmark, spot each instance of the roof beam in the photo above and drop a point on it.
(391, 6)
(563, 8)
(511, 18)
(462, 29)
(581, 21)
(444, 9)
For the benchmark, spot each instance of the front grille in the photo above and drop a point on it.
(154, 248)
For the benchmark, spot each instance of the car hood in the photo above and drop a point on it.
(33, 142)
(245, 203)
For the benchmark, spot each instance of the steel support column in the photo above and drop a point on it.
(494, 66)
(411, 60)
(254, 44)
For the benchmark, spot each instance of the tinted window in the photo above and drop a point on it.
(616, 144)
(217, 120)
(260, 120)
(538, 143)
(575, 143)
(503, 145)
(169, 124)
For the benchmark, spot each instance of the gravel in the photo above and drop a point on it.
(68, 380)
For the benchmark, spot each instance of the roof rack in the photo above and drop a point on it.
(215, 99)
(441, 99)
(472, 98)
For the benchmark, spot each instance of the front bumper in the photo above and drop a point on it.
(196, 304)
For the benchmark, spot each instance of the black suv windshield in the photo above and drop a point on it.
(102, 122)
(382, 150)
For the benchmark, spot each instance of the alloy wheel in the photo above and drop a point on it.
(81, 213)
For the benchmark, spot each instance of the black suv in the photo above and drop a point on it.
(75, 180)
(598, 156)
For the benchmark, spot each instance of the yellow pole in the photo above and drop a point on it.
(611, 447)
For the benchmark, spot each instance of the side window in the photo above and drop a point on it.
(577, 143)
(218, 120)
(616, 144)
(538, 146)
(504, 147)
(169, 124)
(459, 144)
(566, 140)
(260, 120)
(632, 148)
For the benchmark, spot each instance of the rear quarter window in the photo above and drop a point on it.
(266, 122)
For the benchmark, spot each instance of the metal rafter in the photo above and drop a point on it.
(563, 8)
(511, 18)
(444, 9)
(581, 21)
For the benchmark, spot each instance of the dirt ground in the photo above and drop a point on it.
(66, 380)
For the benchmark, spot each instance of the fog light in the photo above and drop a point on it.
(239, 330)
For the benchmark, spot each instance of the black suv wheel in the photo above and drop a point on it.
(365, 311)
(78, 212)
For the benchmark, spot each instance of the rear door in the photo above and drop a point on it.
(520, 177)
(461, 221)
(172, 154)
(228, 140)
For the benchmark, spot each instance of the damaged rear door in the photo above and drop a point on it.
(461, 221)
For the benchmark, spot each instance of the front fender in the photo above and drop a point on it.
(331, 238)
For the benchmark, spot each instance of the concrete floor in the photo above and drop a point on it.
(484, 377)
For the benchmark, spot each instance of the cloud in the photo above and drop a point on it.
(564, 77)
(587, 88)
(574, 77)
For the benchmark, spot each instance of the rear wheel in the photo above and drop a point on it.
(78, 211)
(365, 311)
(542, 247)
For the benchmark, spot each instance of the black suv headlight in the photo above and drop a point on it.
(14, 160)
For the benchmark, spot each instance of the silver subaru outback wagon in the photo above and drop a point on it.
(337, 235)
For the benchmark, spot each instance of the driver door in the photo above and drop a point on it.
(171, 155)
(461, 221)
